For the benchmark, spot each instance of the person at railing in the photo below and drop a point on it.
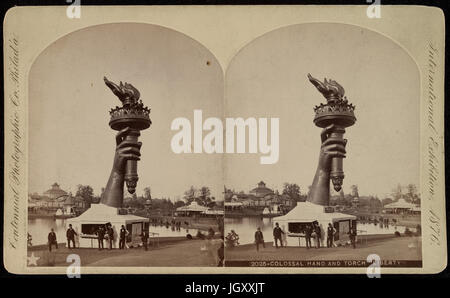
(330, 235)
(308, 231)
(110, 232)
(100, 236)
(232, 239)
(317, 233)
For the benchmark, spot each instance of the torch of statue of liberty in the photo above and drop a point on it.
(333, 117)
(128, 120)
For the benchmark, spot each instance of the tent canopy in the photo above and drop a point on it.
(400, 204)
(100, 213)
(193, 207)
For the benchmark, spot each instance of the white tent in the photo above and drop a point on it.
(87, 223)
(400, 206)
(192, 208)
(305, 213)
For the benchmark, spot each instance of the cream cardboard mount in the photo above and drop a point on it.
(253, 64)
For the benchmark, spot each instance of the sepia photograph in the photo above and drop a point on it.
(348, 102)
(224, 140)
(103, 181)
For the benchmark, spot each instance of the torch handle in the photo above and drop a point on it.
(337, 168)
(131, 176)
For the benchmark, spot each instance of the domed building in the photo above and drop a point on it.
(55, 192)
(261, 191)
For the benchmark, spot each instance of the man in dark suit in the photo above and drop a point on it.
(52, 240)
(122, 237)
(144, 237)
(330, 235)
(101, 236)
(352, 234)
(70, 234)
(318, 232)
(110, 232)
(308, 231)
(277, 232)
(259, 239)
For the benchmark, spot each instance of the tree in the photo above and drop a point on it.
(135, 202)
(292, 190)
(374, 203)
(147, 193)
(204, 193)
(386, 201)
(411, 193)
(86, 192)
(354, 189)
(189, 195)
(178, 204)
(204, 197)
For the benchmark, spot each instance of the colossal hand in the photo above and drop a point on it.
(125, 150)
(331, 147)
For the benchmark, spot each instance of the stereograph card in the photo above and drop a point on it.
(224, 139)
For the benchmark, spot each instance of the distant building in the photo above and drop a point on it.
(401, 207)
(260, 197)
(54, 192)
(194, 209)
(56, 199)
(261, 191)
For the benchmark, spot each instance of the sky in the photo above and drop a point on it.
(268, 78)
(70, 140)
(71, 143)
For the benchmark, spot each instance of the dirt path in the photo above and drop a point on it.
(405, 248)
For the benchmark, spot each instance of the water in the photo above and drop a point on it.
(168, 232)
(246, 227)
(40, 227)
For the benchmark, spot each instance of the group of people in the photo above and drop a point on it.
(232, 239)
(277, 237)
(311, 231)
(106, 232)
(70, 234)
(103, 232)
(173, 224)
(123, 235)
